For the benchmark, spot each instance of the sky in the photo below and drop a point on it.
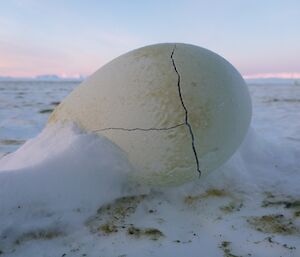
(72, 38)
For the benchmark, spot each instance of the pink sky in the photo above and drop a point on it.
(283, 75)
(32, 65)
(73, 38)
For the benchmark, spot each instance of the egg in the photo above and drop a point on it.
(177, 110)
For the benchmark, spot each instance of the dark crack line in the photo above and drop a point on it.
(186, 111)
(141, 129)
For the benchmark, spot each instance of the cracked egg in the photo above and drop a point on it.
(176, 110)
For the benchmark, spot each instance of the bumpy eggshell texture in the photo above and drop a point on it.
(136, 102)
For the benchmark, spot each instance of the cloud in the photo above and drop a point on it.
(281, 75)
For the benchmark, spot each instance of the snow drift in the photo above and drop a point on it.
(67, 193)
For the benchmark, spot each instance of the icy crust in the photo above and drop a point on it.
(77, 200)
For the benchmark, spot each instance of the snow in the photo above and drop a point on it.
(68, 193)
(24, 109)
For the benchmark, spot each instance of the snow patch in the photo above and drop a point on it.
(68, 193)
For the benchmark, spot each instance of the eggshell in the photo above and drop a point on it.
(177, 110)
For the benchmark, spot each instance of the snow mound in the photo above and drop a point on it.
(67, 193)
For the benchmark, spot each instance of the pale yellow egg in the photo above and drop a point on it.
(175, 109)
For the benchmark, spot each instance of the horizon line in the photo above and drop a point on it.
(279, 75)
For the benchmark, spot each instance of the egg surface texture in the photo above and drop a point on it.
(176, 110)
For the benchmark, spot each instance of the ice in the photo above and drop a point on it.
(276, 112)
(67, 193)
(22, 109)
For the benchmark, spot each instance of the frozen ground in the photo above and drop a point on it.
(24, 109)
(67, 193)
